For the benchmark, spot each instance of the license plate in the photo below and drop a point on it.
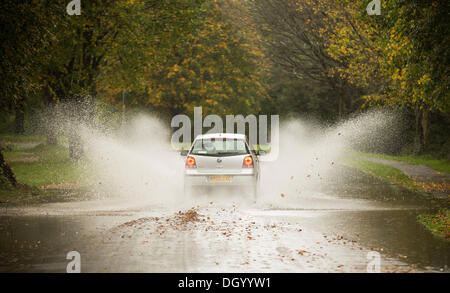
(219, 178)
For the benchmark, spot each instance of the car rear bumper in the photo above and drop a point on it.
(204, 180)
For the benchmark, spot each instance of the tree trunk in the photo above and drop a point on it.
(50, 123)
(7, 172)
(19, 119)
(82, 113)
(75, 113)
(341, 107)
(418, 140)
(51, 136)
(425, 128)
(75, 147)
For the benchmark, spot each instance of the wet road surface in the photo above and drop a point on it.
(330, 230)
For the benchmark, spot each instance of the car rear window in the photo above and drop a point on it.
(219, 147)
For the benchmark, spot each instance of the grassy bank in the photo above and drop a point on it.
(7, 138)
(42, 165)
(387, 173)
(440, 165)
(41, 170)
(438, 224)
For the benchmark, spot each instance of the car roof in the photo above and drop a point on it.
(221, 135)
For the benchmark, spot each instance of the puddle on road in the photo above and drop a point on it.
(30, 243)
(381, 218)
(392, 232)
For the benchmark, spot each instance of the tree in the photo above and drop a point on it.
(206, 60)
(7, 177)
(417, 64)
(294, 35)
(24, 34)
(400, 58)
(82, 44)
(108, 34)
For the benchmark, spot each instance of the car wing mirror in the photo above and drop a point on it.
(183, 153)
(261, 153)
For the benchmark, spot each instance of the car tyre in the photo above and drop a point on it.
(255, 192)
(187, 192)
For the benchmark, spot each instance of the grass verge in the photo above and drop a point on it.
(438, 224)
(42, 171)
(441, 165)
(43, 165)
(388, 173)
(8, 137)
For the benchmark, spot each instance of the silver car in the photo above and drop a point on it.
(221, 159)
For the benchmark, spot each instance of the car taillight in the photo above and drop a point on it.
(248, 162)
(190, 162)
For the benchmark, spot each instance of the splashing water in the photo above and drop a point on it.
(310, 155)
(142, 168)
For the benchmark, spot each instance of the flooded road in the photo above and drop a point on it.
(329, 230)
